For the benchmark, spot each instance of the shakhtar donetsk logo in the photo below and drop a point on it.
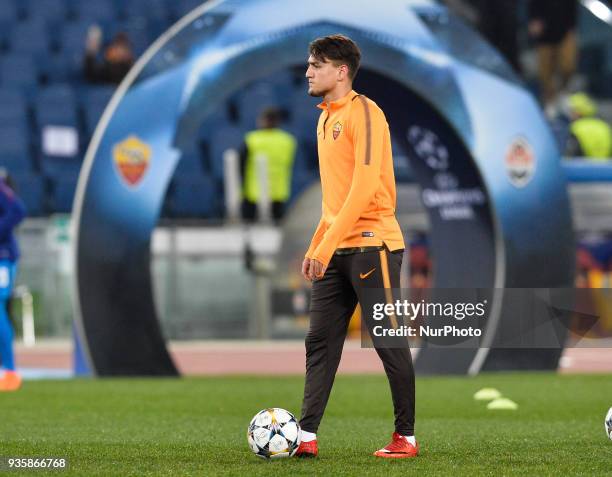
(337, 130)
(520, 162)
(131, 157)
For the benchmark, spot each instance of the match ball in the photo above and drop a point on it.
(274, 433)
(608, 424)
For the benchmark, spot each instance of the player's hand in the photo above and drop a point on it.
(93, 41)
(306, 268)
(317, 270)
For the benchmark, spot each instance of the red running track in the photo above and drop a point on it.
(276, 357)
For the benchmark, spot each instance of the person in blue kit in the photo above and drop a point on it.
(12, 212)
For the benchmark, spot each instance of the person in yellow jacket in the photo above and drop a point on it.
(277, 148)
(589, 136)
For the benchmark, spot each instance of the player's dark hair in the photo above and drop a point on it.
(339, 49)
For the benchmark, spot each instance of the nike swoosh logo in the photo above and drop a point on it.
(366, 275)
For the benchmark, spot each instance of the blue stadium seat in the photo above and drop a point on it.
(63, 188)
(30, 38)
(18, 71)
(54, 167)
(93, 113)
(59, 94)
(13, 109)
(9, 13)
(73, 37)
(53, 12)
(72, 41)
(31, 188)
(14, 140)
(194, 197)
(96, 11)
(155, 10)
(15, 149)
(57, 69)
(56, 106)
(222, 139)
(94, 102)
(98, 95)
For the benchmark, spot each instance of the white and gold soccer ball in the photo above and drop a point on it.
(608, 424)
(274, 433)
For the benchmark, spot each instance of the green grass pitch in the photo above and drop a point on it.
(197, 426)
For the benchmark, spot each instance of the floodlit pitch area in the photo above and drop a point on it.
(197, 426)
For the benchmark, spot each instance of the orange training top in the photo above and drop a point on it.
(357, 179)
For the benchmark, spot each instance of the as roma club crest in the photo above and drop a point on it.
(337, 130)
(520, 162)
(131, 157)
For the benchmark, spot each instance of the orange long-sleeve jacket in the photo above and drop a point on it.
(357, 179)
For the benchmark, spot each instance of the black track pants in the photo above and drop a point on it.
(351, 278)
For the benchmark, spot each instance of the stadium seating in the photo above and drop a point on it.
(155, 11)
(31, 38)
(63, 190)
(96, 11)
(31, 189)
(41, 85)
(20, 72)
(59, 148)
(9, 14)
(56, 106)
(13, 108)
(93, 102)
(73, 36)
(15, 149)
(52, 12)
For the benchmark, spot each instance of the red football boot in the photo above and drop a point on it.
(307, 449)
(399, 448)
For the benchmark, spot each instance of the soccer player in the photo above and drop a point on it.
(356, 251)
(12, 211)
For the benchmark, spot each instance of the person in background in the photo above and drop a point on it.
(499, 25)
(552, 25)
(278, 147)
(589, 136)
(12, 212)
(118, 57)
(496, 20)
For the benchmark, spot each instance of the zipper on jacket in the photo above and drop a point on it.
(325, 122)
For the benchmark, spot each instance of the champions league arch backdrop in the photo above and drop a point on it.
(487, 164)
